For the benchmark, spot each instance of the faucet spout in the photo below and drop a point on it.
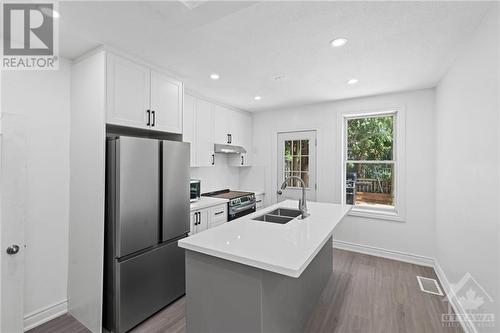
(302, 202)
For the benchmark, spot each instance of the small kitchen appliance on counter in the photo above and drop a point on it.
(195, 185)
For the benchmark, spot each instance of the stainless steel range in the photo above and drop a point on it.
(240, 203)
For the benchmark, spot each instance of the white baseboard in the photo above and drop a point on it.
(467, 325)
(41, 316)
(384, 253)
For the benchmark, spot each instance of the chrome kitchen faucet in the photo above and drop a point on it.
(302, 202)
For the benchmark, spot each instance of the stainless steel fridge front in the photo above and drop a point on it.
(147, 212)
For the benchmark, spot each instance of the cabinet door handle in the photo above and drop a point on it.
(199, 215)
(213, 159)
(242, 160)
(154, 118)
(149, 118)
(229, 138)
(218, 213)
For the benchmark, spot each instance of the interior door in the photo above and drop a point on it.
(13, 185)
(297, 157)
(166, 103)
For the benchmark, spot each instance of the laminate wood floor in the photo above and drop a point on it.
(365, 294)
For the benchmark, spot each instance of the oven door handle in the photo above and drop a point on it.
(242, 208)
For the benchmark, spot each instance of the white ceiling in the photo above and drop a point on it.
(393, 46)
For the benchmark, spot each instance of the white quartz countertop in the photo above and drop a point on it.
(206, 202)
(281, 248)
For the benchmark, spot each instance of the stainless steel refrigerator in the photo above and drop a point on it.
(147, 212)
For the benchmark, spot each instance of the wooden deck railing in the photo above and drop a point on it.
(373, 186)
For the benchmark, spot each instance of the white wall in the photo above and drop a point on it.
(217, 177)
(42, 98)
(467, 163)
(416, 234)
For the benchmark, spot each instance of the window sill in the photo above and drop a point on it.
(390, 215)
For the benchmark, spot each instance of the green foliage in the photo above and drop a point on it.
(370, 138)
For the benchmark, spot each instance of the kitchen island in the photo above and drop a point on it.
(257, 276)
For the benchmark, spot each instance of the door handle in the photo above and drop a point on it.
(153, 113)
(149, 118)
(213, 159)
(13, 249)
(242, 160)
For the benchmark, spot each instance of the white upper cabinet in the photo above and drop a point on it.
(188, 125)
(140, 97)
(166, 103)
(223, 121)
(127, 92)
(205, 155)
(206, 123)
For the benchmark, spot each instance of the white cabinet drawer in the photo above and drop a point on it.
(218, 215)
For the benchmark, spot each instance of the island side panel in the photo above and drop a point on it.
(287, 302)
(221, 296)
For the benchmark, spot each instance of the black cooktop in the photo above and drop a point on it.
(227, 194)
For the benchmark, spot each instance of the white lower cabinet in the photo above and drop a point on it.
(218, 215)
(199, 221)
(207, 218)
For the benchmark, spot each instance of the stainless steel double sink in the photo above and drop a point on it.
(280, 215)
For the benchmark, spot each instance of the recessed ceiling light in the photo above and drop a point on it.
(257, 98)
(279, 77)
(352, 81)
(214, 76)
(338, 42)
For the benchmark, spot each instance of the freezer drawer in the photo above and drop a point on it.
(176, 189)
(147, 283)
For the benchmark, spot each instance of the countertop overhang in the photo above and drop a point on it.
(285, 249)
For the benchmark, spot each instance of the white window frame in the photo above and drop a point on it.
(398, 212)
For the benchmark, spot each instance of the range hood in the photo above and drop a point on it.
(229, 149)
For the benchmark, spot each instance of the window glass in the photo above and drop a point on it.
(370, 161)
(296, 161)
